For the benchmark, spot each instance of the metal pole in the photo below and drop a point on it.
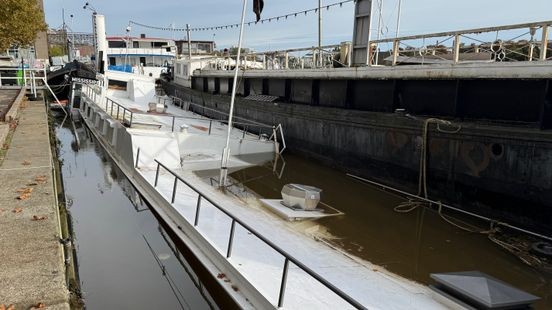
(226, 151)
(544, 42)
(398, 20)
(369, 56)
(456, 48)
(320, 31)
(231, 239)
(380, 3)
(188, 31)
(283, 283)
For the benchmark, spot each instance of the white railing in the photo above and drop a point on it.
(141, 51)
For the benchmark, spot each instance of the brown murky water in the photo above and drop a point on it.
(411, 244)
(126, 258)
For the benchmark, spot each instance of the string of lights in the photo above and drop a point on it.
(230, 26)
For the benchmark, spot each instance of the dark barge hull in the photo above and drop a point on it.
(498, 165)
(60, 80)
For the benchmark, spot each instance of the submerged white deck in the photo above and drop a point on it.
(262, 266)
(194, 123)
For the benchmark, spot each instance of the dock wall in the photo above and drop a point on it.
(497, 170)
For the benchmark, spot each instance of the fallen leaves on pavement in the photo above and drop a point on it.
(26, 163)
(26, 190)
(41, 179)
(10, 307)
(40, 305)
(39, 218)
(17, 210)
(24, 193)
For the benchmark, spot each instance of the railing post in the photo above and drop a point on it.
(287, 61)
(198, 208)
(118, 112)
(210, 126)
(456, 48)
(130, 125)
(124, 112)
(231, 239)
(172, 127)
(544, 42)
(174, 189)
(137, 158)
(264, 61)
(395, 51)
(283, 284)
(156, 175)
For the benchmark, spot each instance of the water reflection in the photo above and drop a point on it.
(127, 259)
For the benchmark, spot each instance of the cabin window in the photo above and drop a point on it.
(116, 44)
(112, 61)
(185, 70)
(135, 44)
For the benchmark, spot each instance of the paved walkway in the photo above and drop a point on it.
(32, 270)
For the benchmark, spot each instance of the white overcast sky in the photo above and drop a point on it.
(420, 16)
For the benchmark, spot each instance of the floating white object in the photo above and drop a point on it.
(276, 206)
(298, 196)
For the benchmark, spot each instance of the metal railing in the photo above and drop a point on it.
(508, 43)
(289, 59)
(114, 109)
(288, 257)
(122, 51)
(129, 118)
(247, 126)
(519, 42)
(33, 79)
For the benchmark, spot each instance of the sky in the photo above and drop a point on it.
(420, 16)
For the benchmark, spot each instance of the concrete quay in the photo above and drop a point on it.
(32, 265)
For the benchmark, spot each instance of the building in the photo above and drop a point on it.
(41, 42)
(149, 55)
(198, 47)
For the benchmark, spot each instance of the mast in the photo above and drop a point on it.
(226, 151)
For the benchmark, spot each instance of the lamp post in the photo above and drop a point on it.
(72, 48)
